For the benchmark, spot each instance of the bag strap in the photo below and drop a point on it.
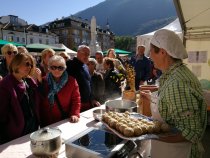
(64, 115)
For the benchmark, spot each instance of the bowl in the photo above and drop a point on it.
(121, 105)
(152, 88)
(97, 114)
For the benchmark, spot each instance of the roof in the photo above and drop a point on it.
(37, 47)
(173, 26)
(194, 17)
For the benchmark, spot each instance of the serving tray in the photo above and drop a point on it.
(143, 136)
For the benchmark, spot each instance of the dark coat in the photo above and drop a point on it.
(80, 72)
(112, 84)
(142, 69)
(11, 115)
(97, 87)
(3, 68)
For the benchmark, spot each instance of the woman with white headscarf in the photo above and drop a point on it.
(179, 101)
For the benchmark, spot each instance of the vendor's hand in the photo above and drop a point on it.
(95, 103)
(146, 94)
(74, 119)
(173, 138)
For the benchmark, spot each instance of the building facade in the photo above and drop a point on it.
(70, 31)
(73, 31)
(14, 29)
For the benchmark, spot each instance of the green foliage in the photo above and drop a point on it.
(124, 42)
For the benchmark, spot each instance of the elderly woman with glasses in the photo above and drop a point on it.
(61, 96)
(8, 51)
(19, 110)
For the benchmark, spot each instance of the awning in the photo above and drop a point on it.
(194, 18)
(37, 47)
(67, 50)
(3, 42)
(119, 51)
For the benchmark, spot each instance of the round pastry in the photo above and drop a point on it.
(143, 128)
(127, 113)
(118, 124)
(150, 129)
(137, 131)
(122, 127)
(112, 123)
(128, 132)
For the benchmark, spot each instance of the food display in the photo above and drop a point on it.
(130, 76)
(128, 126)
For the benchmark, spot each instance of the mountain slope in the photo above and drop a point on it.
(131, 17)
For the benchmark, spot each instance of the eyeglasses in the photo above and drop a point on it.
(28, 64)
(12, 52)
(60, 68)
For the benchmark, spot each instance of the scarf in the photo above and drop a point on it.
(55, 87)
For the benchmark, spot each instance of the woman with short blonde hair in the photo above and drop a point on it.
(8, 51)
(46, 54)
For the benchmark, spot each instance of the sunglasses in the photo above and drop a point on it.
(60, 68)
(28, 64)
(12, 52)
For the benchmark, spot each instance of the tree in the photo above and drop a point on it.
(125, 43)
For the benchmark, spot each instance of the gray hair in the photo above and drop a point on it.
(92, 60)
(57, 58)
(80, 47)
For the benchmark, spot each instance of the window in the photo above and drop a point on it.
(10, 38)
(31, 40)
(23, 40)
(40, 41)
(18, 39)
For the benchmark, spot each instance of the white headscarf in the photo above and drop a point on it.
(170, 42)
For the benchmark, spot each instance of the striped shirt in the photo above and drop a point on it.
(181, 104)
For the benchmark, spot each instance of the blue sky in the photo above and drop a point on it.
(41, 11)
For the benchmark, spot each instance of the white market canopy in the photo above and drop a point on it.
(67, 50)
(194, 17)
(145, 38)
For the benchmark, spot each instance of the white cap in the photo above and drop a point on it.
(170, 42)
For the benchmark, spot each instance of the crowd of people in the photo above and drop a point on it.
(36, 93)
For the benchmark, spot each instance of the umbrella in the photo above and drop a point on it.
(3, 42)
(37, 47)
(119, 51)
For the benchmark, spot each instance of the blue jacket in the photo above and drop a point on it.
(142, 68)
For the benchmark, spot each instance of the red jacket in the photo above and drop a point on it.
(69, 98)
